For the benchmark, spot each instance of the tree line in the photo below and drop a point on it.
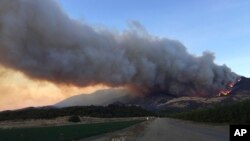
(109, 111)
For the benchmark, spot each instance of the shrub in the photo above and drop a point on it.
(74, 119)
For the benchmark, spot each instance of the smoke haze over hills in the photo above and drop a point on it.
(40, 40)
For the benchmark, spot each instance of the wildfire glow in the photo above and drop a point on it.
(18, 91)
(224, 92)
(230, 84)
(229, 88)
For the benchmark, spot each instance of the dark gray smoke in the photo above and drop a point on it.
(40, 40)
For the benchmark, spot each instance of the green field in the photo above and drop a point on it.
(62, 133)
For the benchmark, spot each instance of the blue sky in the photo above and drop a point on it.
(219, 26)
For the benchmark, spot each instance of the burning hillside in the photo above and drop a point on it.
(239, 92)
(38, 39)
(229, 88)
(241, 84)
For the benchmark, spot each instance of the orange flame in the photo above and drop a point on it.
(224, 92)
(229, 87)
(230, 84)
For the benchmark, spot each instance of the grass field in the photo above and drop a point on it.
(62, 133)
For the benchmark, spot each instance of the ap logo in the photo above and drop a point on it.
(239, 133)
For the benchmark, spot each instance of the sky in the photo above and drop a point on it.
(218, 26)
(18, 91)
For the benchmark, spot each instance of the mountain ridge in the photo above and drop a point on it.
(239, 92)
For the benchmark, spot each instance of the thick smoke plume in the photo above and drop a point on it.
(40, 40)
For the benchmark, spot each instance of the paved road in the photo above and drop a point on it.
(164, 129)
(175, 130)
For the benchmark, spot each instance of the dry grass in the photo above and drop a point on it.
(59, 121)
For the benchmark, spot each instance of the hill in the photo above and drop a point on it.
(101, 98)
(158, 102)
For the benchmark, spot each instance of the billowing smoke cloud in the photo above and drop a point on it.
(40, 40)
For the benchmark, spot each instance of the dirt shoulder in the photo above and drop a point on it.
(59, 121)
